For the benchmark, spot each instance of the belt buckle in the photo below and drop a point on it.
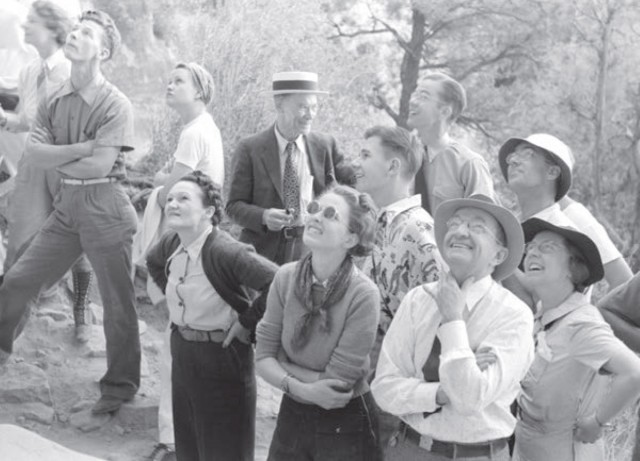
(426, 442)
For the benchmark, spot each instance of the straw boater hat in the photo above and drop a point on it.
(506, 219)
(556, 148)
(584, 244)
(295, 82)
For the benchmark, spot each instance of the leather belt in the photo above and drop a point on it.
(291, 233)
(200, 336)
(87, 182)
(451, 449)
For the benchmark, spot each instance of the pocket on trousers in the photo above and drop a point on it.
(341, 436)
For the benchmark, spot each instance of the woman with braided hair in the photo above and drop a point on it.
(316, 335)
(210, 281)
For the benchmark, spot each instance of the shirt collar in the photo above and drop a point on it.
(478, 290)
(195, 248)
(89, 92)
(394, 209)
(575, 301)
(282, 142)
(52, 61)
(431, 154)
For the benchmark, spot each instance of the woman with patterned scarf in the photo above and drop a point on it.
(316, 335)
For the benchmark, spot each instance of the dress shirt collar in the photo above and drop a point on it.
(575, 301)
(477, 291)
(282, 142)
(396, 208)
(52, 61)
(89, 92)
(195, 248)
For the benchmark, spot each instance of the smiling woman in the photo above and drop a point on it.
(573, 344)
(317, 333)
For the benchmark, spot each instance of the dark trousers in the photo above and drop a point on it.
(310, 433)
(100, 221)
(214, 400)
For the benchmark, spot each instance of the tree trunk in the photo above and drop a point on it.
(410, 69)
(601, 107)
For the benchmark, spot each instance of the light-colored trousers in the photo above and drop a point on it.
(165, 411)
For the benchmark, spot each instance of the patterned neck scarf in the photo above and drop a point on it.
(316, 301)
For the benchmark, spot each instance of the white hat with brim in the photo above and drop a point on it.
(506, 219)
(295, 82)
(556, 148)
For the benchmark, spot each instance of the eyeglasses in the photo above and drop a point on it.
(477, 227)
(328, 212)
(521, 155)
(544, 247)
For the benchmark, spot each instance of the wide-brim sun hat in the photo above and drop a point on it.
(587, 248)
(560, 152)
(507, 220)
(295, 82)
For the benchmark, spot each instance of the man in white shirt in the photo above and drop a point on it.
(453, 357)
(538, 169)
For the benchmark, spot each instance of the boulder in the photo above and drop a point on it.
(21, 444)
(22, 382)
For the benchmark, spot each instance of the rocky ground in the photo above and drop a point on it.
(52, 381)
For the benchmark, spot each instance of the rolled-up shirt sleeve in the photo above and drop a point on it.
(349, 361)
(469, 389)
(399, 387)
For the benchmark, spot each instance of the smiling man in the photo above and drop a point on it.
(457, 348)
(450, 169)
(83, 130)
(277, 172)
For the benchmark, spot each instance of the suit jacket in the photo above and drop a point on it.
(256, 183)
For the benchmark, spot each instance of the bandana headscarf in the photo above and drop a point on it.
(202, 80)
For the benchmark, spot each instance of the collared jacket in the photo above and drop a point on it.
(234, 269)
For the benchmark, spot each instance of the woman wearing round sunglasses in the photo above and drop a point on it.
(582, 375)
(316, 335)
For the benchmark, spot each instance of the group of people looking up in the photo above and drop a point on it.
(400, 308)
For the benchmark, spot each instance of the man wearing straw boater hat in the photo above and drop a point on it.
(275, 173)
(457, 348)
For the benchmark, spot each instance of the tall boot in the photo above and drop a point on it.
(81, 314)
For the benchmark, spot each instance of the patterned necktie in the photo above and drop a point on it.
(291, 182)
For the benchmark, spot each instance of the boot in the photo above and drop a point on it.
(81, 315)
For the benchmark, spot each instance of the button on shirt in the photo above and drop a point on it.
(304, 175)
(404, 255)
(98, 111)
(191, 298)
(480, 400)
(456, 172)
(572, 343)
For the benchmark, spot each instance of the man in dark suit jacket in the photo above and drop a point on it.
(284, 161)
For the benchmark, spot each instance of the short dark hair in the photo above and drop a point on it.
(362, 217)
(578, 268)
(55, 19)
(111, 34)
(211, 193)
(451, 93)
(401, 142)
